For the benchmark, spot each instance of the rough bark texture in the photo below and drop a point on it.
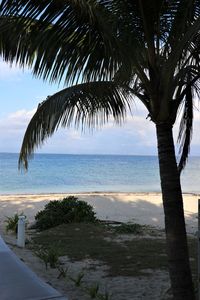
(177, 249)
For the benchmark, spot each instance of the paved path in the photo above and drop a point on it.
(18, 282)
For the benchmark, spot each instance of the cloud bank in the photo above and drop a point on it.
(135, 136)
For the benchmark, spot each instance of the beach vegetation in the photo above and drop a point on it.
(78, 279)
(62, 272)
(130, 228)
(93, 291)
(124, 257)
(105, 296)
(135, 256)
(67, 210)
(12, 222)
(42, 254)
(49, 255)
(108, 54)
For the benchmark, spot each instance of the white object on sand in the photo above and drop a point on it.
(18, 282)
(21, 231)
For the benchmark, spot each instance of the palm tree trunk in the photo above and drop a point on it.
(177, 249)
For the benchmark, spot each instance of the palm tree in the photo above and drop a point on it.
(109, 52)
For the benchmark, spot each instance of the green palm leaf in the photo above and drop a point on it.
(72, 38)
(116, 48)
(185, 130)
(88, 105)
(152, 47)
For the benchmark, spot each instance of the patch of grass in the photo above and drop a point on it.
(93, 291)
(105, 296)
(48, 256)
(80, 241)
(98, 242)
(129, 228)
(78, 279)
(62, 272)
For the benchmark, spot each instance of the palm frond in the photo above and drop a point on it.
(16, 46)
(80, 39)
(182, 36)
(185, 129)
(89, 105)
(70, 38)
(73, 39)
(151, 47)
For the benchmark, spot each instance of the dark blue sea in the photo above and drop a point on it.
(60, 173)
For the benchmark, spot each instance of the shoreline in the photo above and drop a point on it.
(145, 208)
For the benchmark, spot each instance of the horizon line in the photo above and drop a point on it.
(92, 154)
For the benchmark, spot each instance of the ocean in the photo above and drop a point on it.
(63, 173)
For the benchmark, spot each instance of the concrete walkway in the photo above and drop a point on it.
(18, 282)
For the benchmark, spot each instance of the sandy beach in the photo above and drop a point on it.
(142, 208)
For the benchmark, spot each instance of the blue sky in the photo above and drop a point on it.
(20, 94)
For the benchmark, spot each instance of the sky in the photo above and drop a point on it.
(20, 94)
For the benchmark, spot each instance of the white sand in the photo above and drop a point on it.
(143, 208)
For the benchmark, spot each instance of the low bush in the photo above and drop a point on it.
(12, 222)
(129, 228)
(68, 210)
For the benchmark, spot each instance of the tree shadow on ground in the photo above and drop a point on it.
(139, 208)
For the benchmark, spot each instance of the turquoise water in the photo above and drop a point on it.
(53, 173)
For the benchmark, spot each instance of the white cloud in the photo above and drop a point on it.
(15, 122)
(135, 136)
(12, 129)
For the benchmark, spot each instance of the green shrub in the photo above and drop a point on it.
(12, 222)
(68, 210)
(128, 228)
